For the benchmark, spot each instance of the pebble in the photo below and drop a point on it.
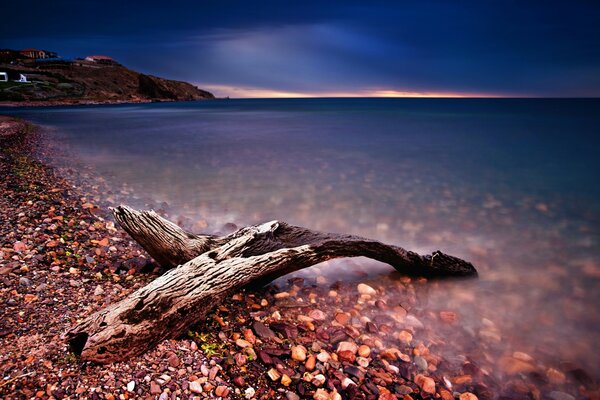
(249, 393)
(243, 343)
(291, 396)
(366, 289)
(347, 382)
(426, 384)
(273, 374)
(222, 391)
(362, 361)
(318, 380)
(421, 363)
(24, 282)
(364, 350)
(321, 394)
(285, 380)
(310, 363)
(448, 316)
(556, 395)
(555, 376)
(323, 356)
(317, 315)
(195, 386)
(155, 388)
(467, 396)
(298, 353)
(98, 291)
(173, 360)
(131, 386)
(239, 381)
(405, 337)
(347, 346)
(519, 355)
(19, 246)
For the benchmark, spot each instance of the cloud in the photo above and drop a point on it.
(507, 48)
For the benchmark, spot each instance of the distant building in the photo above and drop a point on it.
(9, 55)
(35, 53)
(102, 60)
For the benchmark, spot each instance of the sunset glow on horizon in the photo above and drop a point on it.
(257, 92)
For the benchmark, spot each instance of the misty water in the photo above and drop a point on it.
(511, 185)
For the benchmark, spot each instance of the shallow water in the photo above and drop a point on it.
(512, 185)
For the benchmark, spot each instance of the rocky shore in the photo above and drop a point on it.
(81, 83)
(62, 258)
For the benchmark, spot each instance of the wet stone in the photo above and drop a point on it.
(557, 395)
(262, 330)
(421, 363)
(24, 282)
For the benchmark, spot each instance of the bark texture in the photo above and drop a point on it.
(212, 268)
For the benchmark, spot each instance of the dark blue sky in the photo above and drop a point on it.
(330, 47)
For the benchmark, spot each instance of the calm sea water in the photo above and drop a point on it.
(510, 184)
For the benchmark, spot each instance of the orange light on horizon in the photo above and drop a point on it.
(257, 92)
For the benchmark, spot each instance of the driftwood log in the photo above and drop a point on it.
(207, 268)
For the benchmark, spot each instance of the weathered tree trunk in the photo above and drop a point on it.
(214, 267)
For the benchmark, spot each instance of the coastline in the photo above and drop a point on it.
(62, 258)
(63, 103)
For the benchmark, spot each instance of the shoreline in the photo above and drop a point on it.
(63, 103)
(62, 258)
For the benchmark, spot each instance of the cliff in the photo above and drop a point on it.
(83, 82)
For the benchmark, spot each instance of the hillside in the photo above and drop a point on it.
(83, 82)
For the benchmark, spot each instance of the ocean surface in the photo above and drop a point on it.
(512, 185)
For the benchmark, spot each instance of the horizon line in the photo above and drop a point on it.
(248, 92)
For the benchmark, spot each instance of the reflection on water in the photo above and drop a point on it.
(511, 185)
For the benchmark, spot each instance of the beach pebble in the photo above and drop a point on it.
(364, 351)
(239, 381)
(19, 246)
(421, 363)
(131, 386)
(222, 391)
(285, 380)
(310, 363)
(405, 337)
(555, 376)
(291, 396)
(556, 395)
(249, 393)
(24, 282)
(347, 346)
(365, 289)
(155, 388)
(298, 353)
(195, 386)
(467, 396)
(318, 380)
(347, 382)
(426, 384)
(263, 331)
(448, 316)
(323, 356)
(243, 343)
(273, 374)
(317, 315)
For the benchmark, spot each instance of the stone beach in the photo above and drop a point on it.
(307, 335)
